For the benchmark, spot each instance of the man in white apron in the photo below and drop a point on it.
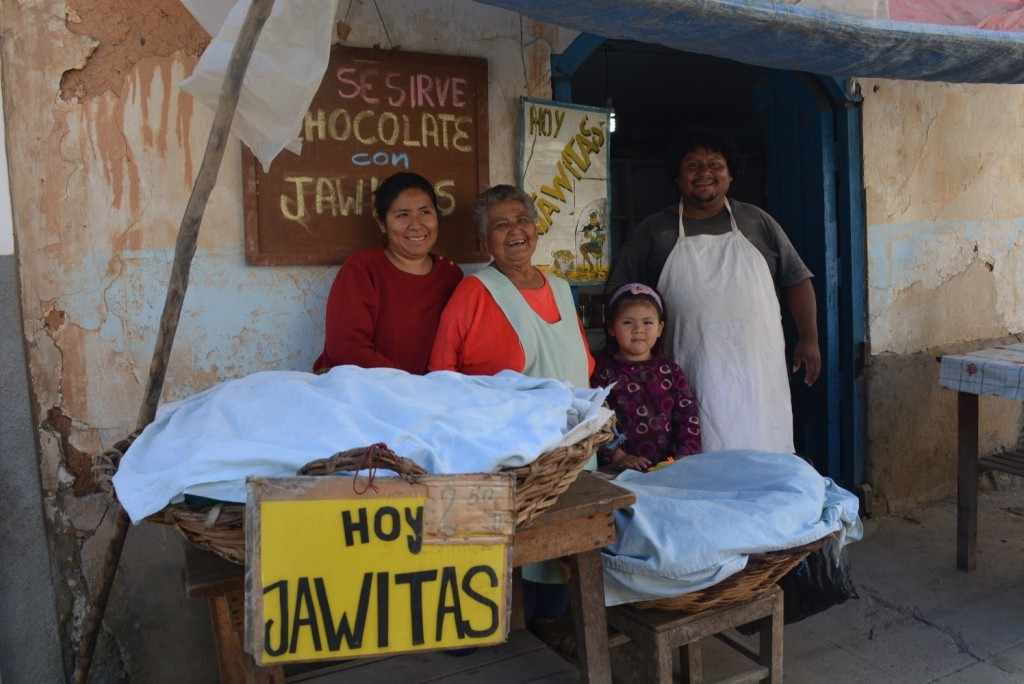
(718, 265)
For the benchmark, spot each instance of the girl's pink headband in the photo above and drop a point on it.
(636, 289)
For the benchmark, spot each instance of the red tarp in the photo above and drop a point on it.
(997, 15)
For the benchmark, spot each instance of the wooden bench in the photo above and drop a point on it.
(655, 634)
(576, 528)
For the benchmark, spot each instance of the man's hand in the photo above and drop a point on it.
(804, 307)
(808, 355)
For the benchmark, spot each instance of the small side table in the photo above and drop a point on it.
(655, 634)
(998, 372)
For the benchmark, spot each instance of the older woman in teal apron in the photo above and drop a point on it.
(511, 315)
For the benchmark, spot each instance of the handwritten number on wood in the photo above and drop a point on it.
(448, 500)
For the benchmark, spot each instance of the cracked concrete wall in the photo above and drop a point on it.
(103, 151)
(943, 167)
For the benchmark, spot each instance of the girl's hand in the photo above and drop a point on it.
(661, 464)
(621, 460)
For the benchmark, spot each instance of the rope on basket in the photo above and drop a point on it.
(368, 458)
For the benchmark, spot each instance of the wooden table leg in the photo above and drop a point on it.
(656, 660)
(517, 620)
(967, 481)
(771, 641)
(234, 664)
(691, 662)
(586, 592)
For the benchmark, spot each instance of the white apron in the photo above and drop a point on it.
(724, 329)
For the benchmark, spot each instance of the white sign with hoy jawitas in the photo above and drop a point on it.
(564, 163)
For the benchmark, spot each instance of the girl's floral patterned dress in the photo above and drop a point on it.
(657, 412)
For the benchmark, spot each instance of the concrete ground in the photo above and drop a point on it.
(919, 619)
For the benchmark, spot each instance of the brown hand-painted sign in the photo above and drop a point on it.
(377, 112)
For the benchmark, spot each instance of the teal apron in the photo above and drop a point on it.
(552, 350)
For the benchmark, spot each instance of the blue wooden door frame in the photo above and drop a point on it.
(845, 310)
(800, 192)
(852, 217)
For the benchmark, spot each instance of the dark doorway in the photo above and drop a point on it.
(659, 95)
(783, 127)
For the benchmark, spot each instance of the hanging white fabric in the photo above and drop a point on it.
(724, 329)
(287, 66)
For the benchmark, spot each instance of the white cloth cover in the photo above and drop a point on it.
(287, 66)
(696, 521)
(724, 329)
(271, 424)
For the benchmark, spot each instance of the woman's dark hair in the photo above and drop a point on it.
(621, 302)
(395, 185)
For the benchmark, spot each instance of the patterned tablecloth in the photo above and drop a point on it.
(998, 371)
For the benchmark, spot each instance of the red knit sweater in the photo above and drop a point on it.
(379, 316)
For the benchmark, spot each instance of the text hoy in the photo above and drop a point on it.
(310, 610)
(387, 526)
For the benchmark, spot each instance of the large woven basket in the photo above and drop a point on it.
(220, 529)
(762, 572)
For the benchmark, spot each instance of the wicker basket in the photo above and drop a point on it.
(220, 528)
(539, 484)
(762, 572)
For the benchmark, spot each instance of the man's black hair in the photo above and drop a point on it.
(710, 142)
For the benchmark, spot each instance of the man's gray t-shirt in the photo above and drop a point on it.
(644, 254)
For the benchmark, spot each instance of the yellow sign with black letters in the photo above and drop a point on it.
(333, 573)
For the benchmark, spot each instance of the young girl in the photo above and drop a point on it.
(658, 419)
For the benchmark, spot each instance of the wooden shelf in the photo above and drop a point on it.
(1005, 462)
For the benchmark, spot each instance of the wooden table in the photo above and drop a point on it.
(998, 371)
(576, 528)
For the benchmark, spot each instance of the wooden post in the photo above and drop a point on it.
(967, 481)
(185, 249)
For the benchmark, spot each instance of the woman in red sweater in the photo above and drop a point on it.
(385, 303)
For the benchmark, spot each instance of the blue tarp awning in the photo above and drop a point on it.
(781, 36)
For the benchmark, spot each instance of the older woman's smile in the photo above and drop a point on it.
(511, 237)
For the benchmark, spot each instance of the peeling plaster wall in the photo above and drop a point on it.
(944, 165)
(103, 151)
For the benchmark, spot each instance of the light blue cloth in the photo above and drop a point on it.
(271, 424)
(696, 521)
